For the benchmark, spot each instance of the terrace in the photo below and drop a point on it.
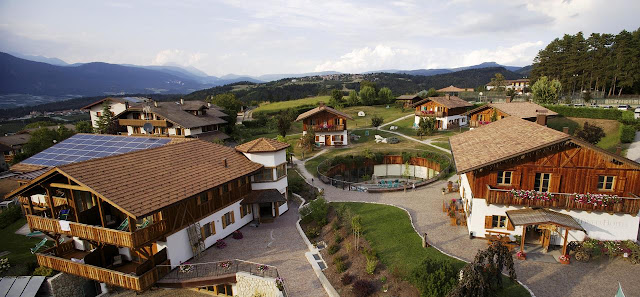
(567, 201)
(431, 113)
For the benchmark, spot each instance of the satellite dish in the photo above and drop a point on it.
(148, 127)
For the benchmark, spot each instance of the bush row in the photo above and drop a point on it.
(586, 112)
(9, 215)
(628, 134)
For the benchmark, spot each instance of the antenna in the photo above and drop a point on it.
(148, 127)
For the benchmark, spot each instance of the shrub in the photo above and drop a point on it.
(316, 210)
(237, 234)
(591, 133)
(337, 238)
(9, 215)
(348, 246)
(371, 265)
(323, 222)
(363, 288)
(346, 279)
(585, 112)
(434, 278)
(334, 248)
(221, 244)
(628, 134)
(43, 271)
(4, 265)
(339, 263)
(336, 226)
(312, 232)
(376, 121)
(370, 254)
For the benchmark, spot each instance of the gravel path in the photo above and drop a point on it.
(544, 279)
(633, 152)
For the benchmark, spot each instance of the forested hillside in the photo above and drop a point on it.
(601, 62)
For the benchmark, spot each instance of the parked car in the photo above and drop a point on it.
(594, 106)
(624, 107)
(393, 140)
(607, 106)
(578, 105)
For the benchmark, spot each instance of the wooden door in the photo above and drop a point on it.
(328, 140)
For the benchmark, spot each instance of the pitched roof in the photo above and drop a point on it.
(15, 139)
(262, 145)
(408, 97)
(179, 114)
(451, 88)
(263, 196)
(130, 100)
(500, 140)
(529, 216)
(166, 175)
(523, 110)
(211, 136)
(446, 101)
(322, 108)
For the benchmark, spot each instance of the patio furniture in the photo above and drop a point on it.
(144, 224)
(34, 233)
(117, 260)
(123, 225)
(38, 246)
(64, 214)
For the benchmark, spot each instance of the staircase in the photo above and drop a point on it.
(195, 239)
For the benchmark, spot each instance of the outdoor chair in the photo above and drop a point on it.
(38, 246)
(64, 214)
(123, 225)
(144, 224)
(34, 233)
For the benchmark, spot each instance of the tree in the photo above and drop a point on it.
(426, 126)
(336, 99)
(42, 139)
(353, 99)
(367, 95)
(284, 120)
(228, 102)
(376, 121)
(590, 133)
(84, 127)
(385, 96)
(356, 227)
(434, 277)
(428, 93)
(307, 141)
(498, 82)
(483, 276)
(289, 150)
(511, 92)
(106, 123)
(494, 116)
(40, 124)
(546, 91)
(586, 96)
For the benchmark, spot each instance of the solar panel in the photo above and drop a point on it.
(81, 147)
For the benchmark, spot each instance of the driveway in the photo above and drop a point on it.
(633, 153)
(544, 279)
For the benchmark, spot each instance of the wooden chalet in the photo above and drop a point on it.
(117, 214)
(453, 90)
(499, 161)
(495, 111)
(328, 125)
(408, 100)
(448, 111)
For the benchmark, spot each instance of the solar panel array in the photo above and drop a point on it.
(82, 147)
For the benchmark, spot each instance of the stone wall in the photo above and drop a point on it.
(248, 285)
(66, 285)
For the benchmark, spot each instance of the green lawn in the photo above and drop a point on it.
(442, 144)
(280, 105)
(388, 114)
(612, 129)
(398, 244)
(19, 246)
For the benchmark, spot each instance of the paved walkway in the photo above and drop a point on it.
(544, 279)
(426, 141)
(633, 153)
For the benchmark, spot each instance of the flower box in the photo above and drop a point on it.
(564, 259)
(453, 221)
(521, 255)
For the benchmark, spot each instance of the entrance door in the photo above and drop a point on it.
(329, 139)
(266, 210)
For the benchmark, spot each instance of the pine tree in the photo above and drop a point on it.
(106, 122)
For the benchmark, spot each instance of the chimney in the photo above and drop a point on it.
(224, 163)
(448, 96)
(619, 150)
(181, 101)
(565, 130)
(321, 103)
(155, 103)
(541, 119)
(509, 98)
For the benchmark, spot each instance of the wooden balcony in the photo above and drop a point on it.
(627, 205)
(476, 124)
(427, 113)
(326, 128)
(57, 201)
(99, 234)
(132, 276)
(140, 123)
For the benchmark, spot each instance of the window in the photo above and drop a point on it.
(281, 170)
(219, 290)
(504, 177)
(202, 198)
(266, 174)
(337, 138)
(542, 182)
(207, 230)
(243, 180)
(606, 182)
(135, 115)
(245, 210)
(317, 138)
(499, 222)
(225, 188)
(228, 219)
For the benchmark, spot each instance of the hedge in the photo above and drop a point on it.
(628, 134)
(587, 112)
(9, 215)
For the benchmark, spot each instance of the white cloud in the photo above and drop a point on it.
(175, 56)
(514, 55)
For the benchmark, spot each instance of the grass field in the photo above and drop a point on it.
(388, 114)
(280, 105)
(612, 129)
(18, 246)
(398, 245)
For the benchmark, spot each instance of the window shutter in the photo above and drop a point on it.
(554, 183)
(593, 183)
(233, 217)
(487, 222)
(515, 179)
(620, 184)
(509, 225)
(531, 183)
(202, 233)
(213, 227)
(224, 222)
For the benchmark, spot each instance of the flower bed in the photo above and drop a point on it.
(532, 195)
(593, 249)
(597, 199)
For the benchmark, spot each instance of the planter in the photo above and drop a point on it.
(453, 221)
(564, 260)
(523, 257)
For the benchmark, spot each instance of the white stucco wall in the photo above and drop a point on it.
(322, 136)
(279, 185)
(445, 120)
(598, 225)
(398, 170)
(270, 159)
(116, 108)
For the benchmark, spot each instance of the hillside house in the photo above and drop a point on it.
(574, 189)
(448, 111)
(328, 125)
(12, 144)
(517, 84)
(408, 100)
(495, 111)
(453, 90)
(126, 220)
(117, 105)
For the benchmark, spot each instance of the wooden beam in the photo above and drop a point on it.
(524, 233)
(70, 187)
(100, 210)
(30, 206)
(564, 246)
(50, 201)
(132, 224)
(74, 205)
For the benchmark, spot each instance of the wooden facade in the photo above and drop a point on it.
(485, 116)
(432, 108)
(324, 122)
(571, 168)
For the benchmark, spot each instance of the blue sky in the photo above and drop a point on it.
(281, 36)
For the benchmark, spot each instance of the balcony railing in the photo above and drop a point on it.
(476, 124)
(140, 123)
(42, 202)
(326, 128)
(104, 275)
(627, 205)
(429, 113)
(100, 234)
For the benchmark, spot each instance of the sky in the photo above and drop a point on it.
(286, 36)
